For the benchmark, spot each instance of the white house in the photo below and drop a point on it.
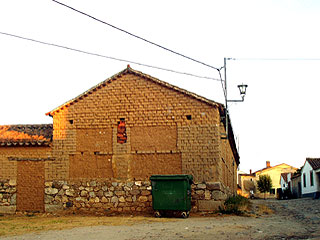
(285, 180)
(310, 178)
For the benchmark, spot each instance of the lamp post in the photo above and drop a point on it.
(242, 89)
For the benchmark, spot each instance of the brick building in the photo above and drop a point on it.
(24, 152)
(108, 141)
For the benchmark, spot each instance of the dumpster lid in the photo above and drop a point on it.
(172, 177)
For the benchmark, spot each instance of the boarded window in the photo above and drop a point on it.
(157, 138)
(94, 140)
(121, 132)
(145, 165)
(89, 165)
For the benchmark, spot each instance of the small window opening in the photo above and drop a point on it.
(71, 121)
(189, 117)
(121, 131)
(96, 153)
(311, 178)
(81, 153)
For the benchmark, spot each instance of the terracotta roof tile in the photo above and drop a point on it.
(314, 162)
(25, 135)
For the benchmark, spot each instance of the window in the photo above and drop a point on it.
(189, 117)
(304, 180)
(311, 178)
(272, 191)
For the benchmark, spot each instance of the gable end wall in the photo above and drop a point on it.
(156, 125)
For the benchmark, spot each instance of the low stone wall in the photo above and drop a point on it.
(8, 196)
(208, 196)
(99, 196)
(123, 197)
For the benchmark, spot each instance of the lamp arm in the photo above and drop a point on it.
(236, 100)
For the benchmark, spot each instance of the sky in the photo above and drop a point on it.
(274, 46)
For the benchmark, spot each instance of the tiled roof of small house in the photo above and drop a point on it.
(314, 162)
(129, 70)
(25, 135)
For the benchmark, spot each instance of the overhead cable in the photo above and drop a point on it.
(276, 59)
(136, 36)
(104, 56)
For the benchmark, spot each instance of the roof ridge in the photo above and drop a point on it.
(273, 167)
(126, 71)
(314, 162)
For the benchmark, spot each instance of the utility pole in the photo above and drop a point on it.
(242, 88)
(226, 94)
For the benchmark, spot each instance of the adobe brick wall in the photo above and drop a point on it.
(14, 160)
(228, 164)
(200, 148)
(8, 168)
(160, 137)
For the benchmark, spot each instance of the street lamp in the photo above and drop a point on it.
(242, 89)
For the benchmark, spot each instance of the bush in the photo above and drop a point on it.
(264, 184)
(235, 205)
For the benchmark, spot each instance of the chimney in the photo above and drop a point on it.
(268, 164)
(250, 171)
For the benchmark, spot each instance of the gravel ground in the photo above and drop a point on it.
(291, 219)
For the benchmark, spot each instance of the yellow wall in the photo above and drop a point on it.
(275, 174)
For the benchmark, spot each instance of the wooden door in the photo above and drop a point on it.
(30, 186)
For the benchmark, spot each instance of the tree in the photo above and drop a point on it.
(264, 184)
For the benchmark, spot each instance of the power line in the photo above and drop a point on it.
(276, 59)
(136, 36)
(112, 58)
(223, 88)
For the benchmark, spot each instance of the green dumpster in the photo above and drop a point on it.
(171, 193)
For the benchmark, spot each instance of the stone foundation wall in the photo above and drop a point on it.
(133, 196)
(8, 196)
(97, 196)
(208, 196)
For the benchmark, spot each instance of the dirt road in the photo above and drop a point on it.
(291, 219)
